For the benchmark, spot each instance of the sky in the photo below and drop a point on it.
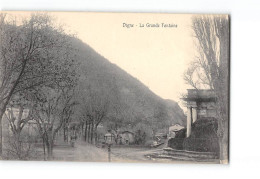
(157, 56)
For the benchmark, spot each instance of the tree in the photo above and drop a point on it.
(210, 68)
(69, 103)
(29, 51)
(54, 104)
(18, 116)
(19, 144)
(95, 108)
(52, 109)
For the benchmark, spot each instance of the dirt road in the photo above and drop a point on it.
(90, 153)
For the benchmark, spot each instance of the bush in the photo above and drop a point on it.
(203, 137)
(19, 148)
(176, 143)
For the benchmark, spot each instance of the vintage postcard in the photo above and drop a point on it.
(114, 87)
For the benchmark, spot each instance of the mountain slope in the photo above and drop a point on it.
(131, 102)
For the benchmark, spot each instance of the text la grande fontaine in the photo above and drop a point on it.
(156, 25)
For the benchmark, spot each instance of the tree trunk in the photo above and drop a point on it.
(2, 111)
(50, 149)
(95, 135)
(86, 131)
(4, 104)
(43, 145)
(92, 133)
(82, 131)
(1, 137)
(64, 134)
(89, 132)
(223, 142)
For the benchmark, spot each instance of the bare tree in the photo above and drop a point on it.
(198, 73)
(52, 109)
(68, 111)
(95, 108)
(87, 123)
(210, 69)
(54, 104)
(18, 145)
(28, 51)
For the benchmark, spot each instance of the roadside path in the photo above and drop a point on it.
(89, 153)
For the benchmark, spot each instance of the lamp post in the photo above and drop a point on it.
(108, 141)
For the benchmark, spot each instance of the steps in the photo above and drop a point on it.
(182, 155)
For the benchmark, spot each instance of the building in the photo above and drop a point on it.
(201, 104)
(126, 137)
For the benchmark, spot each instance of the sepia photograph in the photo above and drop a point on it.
(114, 87)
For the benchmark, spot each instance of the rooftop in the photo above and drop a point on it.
(200, 95)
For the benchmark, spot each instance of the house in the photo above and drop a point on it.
(126, 137)
(12, 117)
